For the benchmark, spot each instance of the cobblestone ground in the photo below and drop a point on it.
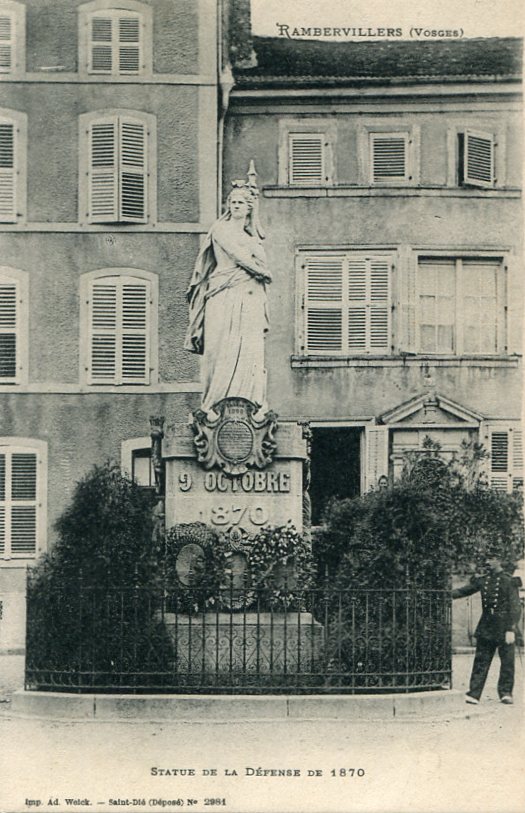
(442, 766)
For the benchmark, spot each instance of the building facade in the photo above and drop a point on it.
(390, 192)
(108, 178)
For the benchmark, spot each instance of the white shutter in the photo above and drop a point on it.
(7, 171)
(18, 503)
(478, 158)
(7, 26)
(101, 47)
(369, 305)
(103, 334)
(306, 159)
(135, 345)
(103, 171)
(3, 535)
(119, 331)
(506, 458)
(133, 169)
(129, 44)
(324, 303)
(389, 156)
(8, 329)
(376, 455)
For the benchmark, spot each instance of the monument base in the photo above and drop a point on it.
(245, 643)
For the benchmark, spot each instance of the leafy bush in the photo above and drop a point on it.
(436, 519)
(91, 607)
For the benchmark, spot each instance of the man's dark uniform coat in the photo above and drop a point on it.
(501, 613)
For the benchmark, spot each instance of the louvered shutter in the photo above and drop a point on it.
(8, 330)
(376, 439)
(18, 503)
(6, 42)
(135, 345)
(369, 305)
(324, 303)
(119, 337)
(506, 458)
(306, 159)
(7, 172)
(478, 158)
(133, 169)
(129, 44)
(389, 157)
(101, 45)
(103, 335)
(103, 171)
(115, 43)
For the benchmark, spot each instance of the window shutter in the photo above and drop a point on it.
(120, 325)
(376, 454)
(132, 170)
(306, 159)
(389, 157)
(369, 305)
(7, 172)
(506, 458)
(324, 303)
(8, 330)
(103, 339)
(478, 158)
(3, 535)
(135, 330)
(18, 503)
(6, 42)
(103, 171)
(101, 49)
(129, 45)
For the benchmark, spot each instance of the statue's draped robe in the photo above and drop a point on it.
(229, 317)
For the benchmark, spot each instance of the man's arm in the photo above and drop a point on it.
(468, 589)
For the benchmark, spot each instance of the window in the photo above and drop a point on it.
(461, 305)
(306, 152)
(476, 158)
(118, 325)
(119, 149)
(13, 326)
(13, 129)
(306, 159)
(347, 303)
(115, 41)
(506, 458)
(12, 37)
(22, 497)
(389, 157)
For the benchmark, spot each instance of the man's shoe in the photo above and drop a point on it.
(507, 699)
(470, 699)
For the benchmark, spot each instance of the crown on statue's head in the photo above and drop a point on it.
(250, 185)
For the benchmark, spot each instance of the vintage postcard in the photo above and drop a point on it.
(261, 457)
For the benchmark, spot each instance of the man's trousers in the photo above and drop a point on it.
(485, 649)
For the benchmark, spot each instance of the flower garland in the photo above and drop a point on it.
(281, 566)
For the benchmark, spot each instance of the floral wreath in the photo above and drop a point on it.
(281, 566)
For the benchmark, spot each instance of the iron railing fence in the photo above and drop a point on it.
(238, 640)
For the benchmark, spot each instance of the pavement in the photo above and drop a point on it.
(468, 764)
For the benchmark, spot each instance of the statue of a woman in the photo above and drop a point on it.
(228, 306)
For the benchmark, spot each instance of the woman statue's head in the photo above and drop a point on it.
(239, 203)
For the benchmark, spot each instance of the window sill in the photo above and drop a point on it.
(299, 362)
(18, 562)
(390, 190)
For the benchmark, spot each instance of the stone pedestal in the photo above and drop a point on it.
(250, 500)
(245, 643)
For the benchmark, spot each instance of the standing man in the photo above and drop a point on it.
(496, 628)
